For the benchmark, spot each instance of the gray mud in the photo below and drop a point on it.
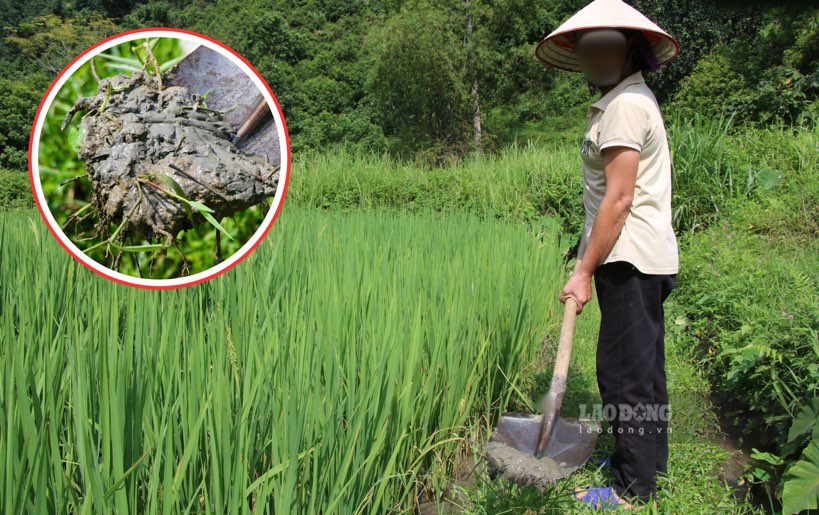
(522, 468)
(142, 132)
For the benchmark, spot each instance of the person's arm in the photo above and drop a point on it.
(620, 167)
(581, 250)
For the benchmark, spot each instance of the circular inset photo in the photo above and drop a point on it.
(159, 158)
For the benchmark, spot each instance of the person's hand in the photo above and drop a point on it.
(578, 287)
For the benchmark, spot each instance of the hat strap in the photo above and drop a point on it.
(647, 54)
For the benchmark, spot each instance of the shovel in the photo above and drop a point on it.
(229, 88)
(537, 450)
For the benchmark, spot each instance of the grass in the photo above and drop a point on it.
(336, 370)
(520, 183)
(348, 362)
(290, 384)
(716, 163)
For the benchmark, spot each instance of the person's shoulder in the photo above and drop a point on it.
(634, 99)
(629, 106)
(640, 96)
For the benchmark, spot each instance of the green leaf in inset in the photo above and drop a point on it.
(139, 248)
(209, 217)
(123, 60)
(200, 207)
(167, 65)
(75, 137)
(174, 186)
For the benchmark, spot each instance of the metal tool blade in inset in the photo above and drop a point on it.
(207, 71)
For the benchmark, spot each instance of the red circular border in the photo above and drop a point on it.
(31, 167)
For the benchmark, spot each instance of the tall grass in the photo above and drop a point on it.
(715, 162)
(332, 371)
(520, 183)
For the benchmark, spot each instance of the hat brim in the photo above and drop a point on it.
(557, 49)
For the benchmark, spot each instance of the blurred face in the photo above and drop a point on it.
(602, 56)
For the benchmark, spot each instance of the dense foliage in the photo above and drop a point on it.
(428, 79)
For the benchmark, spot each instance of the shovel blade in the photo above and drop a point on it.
(570, 444)
(207, 71)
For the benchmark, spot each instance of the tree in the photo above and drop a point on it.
(18, 104)
(52, 42)
(417, 81)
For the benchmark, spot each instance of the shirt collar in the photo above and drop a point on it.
(634, 78)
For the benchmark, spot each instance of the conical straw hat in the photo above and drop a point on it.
(557, 49)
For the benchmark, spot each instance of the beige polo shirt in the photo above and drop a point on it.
(629, 115)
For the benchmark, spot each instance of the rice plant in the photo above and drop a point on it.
(331, 372)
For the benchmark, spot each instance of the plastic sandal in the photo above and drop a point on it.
(599, 496)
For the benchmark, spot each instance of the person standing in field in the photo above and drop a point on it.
(628, 244)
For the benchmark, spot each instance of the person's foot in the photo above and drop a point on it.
(599, 497)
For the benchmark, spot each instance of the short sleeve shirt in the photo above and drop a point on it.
(629, 115)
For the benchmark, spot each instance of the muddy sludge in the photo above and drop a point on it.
(522, 468)
(149, 148)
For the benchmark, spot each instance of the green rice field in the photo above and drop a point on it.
(335, 370)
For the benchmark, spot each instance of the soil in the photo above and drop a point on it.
(468, 467)
(732, 472)
(142, 141)
(520, 467)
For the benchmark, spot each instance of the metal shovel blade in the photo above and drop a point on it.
(207, 71)
(512, 446)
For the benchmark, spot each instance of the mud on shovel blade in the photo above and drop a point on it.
(537, 450)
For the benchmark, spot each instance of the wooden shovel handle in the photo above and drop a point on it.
(259, 114)
(554, 399)
(564, 350)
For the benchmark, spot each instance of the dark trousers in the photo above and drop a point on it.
(631, 373)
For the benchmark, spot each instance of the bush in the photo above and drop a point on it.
(15, 190)
(19, 98)
(712, 85)
(755, 312)
(783, 96)
(767, 76)
(748, 286)
(717, 161)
